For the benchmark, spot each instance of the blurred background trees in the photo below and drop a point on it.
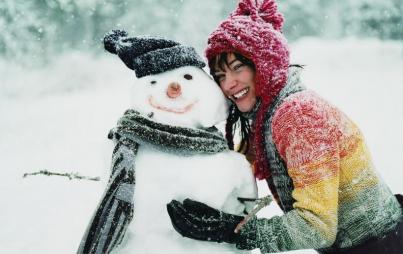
(33, 32)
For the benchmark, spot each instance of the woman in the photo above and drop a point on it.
(312, 156)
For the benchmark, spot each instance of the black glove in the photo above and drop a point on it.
(199, 221)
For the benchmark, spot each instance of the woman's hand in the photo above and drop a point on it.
(201, 222)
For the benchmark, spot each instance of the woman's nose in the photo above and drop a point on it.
(174, 90)
(230, 82)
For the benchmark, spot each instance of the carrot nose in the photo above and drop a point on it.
(174, 90)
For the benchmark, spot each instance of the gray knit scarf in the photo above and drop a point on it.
(115, 211)
(175, 139)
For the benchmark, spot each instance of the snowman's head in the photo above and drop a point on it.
(171, 87)
(185, 97)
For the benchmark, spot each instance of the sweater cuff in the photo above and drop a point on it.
(247, 237)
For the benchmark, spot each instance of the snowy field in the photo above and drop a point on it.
(57, 118)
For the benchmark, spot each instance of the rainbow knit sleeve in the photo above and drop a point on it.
(306, 133)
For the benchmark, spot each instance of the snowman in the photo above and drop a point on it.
(166, 147)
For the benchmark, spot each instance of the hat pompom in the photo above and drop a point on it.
(269, 13)
(265, 10)
(245, 8)
(112, 38)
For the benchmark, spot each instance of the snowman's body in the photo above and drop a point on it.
(160, 177)
(215, 179)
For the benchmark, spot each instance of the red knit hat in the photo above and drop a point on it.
(254, 31)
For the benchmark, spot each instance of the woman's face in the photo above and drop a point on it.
(237, 81)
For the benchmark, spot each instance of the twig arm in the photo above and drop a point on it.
(68, 175)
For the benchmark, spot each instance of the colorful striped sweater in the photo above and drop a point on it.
(323, 174)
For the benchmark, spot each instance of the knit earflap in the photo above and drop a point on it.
(264, 10)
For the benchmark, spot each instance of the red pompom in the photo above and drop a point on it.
(269, 13)
(265, 10)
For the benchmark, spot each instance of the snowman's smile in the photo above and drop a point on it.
(180, 110)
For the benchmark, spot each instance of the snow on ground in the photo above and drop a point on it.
(58, 117)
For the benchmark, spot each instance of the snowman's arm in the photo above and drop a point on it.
(260, 204)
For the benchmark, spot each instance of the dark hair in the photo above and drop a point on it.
(221, 60)
(235, 118)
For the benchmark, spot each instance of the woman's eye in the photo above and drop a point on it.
(238, 66)
(220, 77)
(188, 76)
(153, 82)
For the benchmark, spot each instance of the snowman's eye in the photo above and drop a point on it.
(153, 82)
(188, 76)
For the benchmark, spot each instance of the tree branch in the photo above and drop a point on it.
(69, 175)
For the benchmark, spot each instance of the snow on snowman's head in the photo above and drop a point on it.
(185, 96)
(171, 87)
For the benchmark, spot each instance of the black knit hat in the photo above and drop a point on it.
(150, 55)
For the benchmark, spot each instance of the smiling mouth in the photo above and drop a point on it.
(240, 94)
(183, 110)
